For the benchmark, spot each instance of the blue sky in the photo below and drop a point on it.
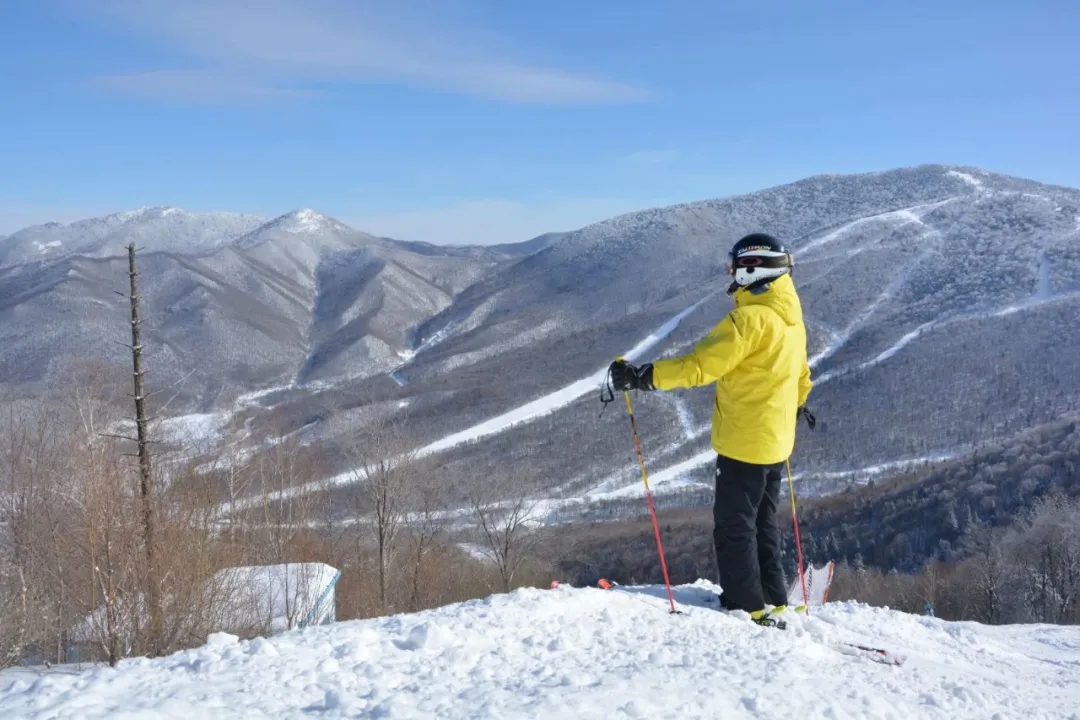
(492, 121)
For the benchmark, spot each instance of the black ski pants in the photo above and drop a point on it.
(747, 535)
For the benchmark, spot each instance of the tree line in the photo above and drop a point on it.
(75, 573)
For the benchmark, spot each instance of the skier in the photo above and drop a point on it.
(756, 356)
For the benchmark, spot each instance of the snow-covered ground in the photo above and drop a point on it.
(586, 653)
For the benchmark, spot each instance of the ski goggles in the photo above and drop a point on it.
(759, 261)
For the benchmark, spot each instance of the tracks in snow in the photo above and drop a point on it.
(840, 339)
(903, 216)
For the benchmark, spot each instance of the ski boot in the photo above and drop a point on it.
(770, 615)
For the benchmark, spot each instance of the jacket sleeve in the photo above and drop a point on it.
(805, 384)
(712, 358)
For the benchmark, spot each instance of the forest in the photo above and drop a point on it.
(993, 536)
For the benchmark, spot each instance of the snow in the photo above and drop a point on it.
(540, 407)
(1042, 294)
(1044, 288)
(301, 221)
(285, 596)
(968, 178)
(903, 216)
(251, 399)
(477, 552)
(560, 398)
(682, 409)
(688, 473)
(674, 477)
(195, 427)
(44, 247)
(277, 597)
(838, 340)
(158, 228)
(586, 652)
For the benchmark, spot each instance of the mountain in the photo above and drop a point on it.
(162, 229)
(584, 652)
(943, 307)
(228, 304)
(942, 302)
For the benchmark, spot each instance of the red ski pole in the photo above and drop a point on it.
(648, 496)
(798, 543)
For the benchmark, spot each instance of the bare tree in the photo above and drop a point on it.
(425, 522)
(504, 516)
(19, 499)
(384, 470)
(989, 572)
(146, 484)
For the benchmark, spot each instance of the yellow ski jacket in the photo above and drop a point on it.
(757, 357)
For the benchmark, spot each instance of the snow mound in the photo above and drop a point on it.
(586, 653)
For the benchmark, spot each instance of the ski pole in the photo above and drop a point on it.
(648, 496)
(798, 542)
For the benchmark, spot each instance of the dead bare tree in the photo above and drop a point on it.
(146, 485)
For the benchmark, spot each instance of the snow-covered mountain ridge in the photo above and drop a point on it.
(586, 653)
(951, 273)
(160, 228)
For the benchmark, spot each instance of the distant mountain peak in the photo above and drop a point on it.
(306, 220)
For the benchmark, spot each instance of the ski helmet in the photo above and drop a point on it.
(758, 257)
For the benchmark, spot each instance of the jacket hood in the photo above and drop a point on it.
(778, 294)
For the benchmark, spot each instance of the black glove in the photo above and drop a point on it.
(810, 419)
(628, 377)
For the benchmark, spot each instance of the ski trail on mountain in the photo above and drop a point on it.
(903, 216)
(691, 473)
(528, 412)
(1038, 298)
(840, 339)
(968, 178)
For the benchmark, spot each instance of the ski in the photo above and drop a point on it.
(876, 654)
(880, 655)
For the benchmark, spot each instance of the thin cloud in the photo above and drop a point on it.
(272, 46)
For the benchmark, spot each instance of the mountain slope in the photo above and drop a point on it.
(297, 298)
(586, 653)
(942, 306)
